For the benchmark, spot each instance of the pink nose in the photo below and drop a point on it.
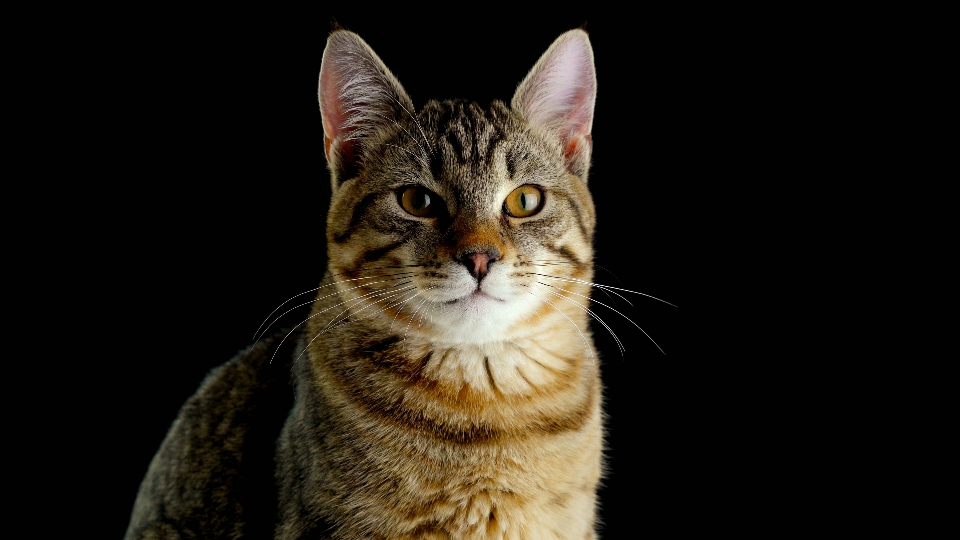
(478, 263)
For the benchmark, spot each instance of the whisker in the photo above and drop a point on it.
(597, 285)
(610, 296)
(340, 323)
(548, 262)
(609, 272)
(615, 311)
(390, 120)
(419, 158)
(255, 334)
(415, 314)
(604, 291)
(420, 323)
(394, 122)
(593, 315)
(292, 330)
(359, 299)
(347, 320)
(392, 278)
(601, 286)
(415, 121)
(586, 347)
(401, 309)
(328, 327)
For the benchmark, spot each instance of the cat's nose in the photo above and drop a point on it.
(478, 262)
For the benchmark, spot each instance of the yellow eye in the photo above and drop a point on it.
(418, 201)
(524, 201)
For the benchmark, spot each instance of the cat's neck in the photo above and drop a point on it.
(518, 367)
(547, 356)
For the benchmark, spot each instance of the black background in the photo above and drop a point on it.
(214, 134)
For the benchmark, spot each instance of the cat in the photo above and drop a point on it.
(445, 384)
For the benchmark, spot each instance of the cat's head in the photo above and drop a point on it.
(462, 222)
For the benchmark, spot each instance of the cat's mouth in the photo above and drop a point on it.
(474, 296)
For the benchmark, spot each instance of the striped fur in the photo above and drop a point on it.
(448, 386)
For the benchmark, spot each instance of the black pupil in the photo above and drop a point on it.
(523, 201)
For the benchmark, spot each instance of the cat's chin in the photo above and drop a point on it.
(477, 317)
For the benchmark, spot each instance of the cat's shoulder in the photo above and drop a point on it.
(213, 474)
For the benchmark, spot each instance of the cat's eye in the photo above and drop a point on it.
(524, 201)
(419, 201)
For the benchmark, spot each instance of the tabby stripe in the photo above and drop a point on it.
(576, 210)
(382, 345)
(511, 166)
(374, 254)
(354, 380)
(572, 421)
(394, 411)
(524, 377)
(564, 252)
(472, 131)
(495, 141)
(496, 137)
(456, 145)
(358, 211)
(493, 384)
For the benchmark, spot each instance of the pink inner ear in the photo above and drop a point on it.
(576, 144)
(343, 145)
(326, 146)
(331, 106)
(342, 55)
(559, 92)
(358, 95)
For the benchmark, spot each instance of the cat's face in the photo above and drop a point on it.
(459, 223)
(462, 212)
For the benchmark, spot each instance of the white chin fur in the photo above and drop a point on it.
(478, 319)
(461, 315)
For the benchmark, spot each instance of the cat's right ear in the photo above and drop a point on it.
(358, 97)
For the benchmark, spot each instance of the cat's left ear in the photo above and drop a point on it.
(559, 94)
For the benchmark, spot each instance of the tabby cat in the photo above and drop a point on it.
(445, 384)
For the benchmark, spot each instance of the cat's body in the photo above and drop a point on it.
(446, 385)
